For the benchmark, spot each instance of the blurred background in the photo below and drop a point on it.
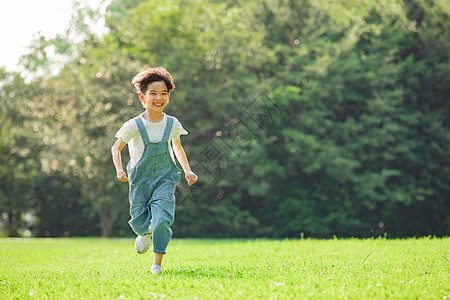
(305, 118)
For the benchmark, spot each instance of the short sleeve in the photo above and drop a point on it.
(127, 131)
(177, 129)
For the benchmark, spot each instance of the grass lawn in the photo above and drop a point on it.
(96, 268)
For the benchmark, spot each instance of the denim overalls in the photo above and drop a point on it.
(152, 186)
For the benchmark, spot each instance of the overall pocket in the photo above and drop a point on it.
(163, 158)
(165, 190)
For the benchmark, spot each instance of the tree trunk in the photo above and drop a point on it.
(106, 221)
(11, 225)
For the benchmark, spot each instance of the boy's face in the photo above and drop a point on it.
(156, 97)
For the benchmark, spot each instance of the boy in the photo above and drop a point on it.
(152, 173)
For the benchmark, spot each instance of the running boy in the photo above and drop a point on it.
(152, 173)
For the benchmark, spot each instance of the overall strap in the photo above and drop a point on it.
(168, 129)
(142, 130)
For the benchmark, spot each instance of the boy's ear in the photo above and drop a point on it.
(141, 97)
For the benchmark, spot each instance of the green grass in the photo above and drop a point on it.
(94, 268)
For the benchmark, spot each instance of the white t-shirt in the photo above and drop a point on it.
(129, 132)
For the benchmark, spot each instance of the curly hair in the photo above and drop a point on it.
(144, 78)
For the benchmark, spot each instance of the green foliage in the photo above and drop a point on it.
(327, 118)
(19, 168)
(61, 211)
(353, 135)
(35, 198)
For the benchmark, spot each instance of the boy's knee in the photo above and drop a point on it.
(162, 222)
(138, 227)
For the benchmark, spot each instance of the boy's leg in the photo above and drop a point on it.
(163, 214)
(157, 260)
(140, 218)
(140, 212)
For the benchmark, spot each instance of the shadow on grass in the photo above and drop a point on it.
(202, 273)
(198, 273)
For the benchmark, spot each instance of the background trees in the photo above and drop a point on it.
(315, 117)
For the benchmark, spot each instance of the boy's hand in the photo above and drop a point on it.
(191, 178)
(122, 176)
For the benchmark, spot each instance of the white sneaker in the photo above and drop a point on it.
(142, 243)
(155, 269)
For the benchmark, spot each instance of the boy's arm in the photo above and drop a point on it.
(117, 159)
(190, 176)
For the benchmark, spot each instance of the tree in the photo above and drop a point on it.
(327, 118)
(19, 169)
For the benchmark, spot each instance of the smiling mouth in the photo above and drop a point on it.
(158, 104)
